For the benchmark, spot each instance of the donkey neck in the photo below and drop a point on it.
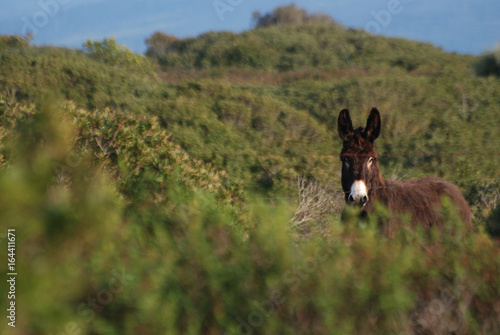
(378, 183)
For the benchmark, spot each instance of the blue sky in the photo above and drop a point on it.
(465, 26)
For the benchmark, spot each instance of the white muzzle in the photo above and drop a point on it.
(359, 193)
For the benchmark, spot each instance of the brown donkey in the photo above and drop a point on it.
(363, 184)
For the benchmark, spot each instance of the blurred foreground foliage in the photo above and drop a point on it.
(119, 231)
(125, 235)
(156, 195)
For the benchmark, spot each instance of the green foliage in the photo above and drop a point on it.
(26, 71)
(57, 219)
(112, 247)
(493, 224)
(289, 15)
(13, 41)
(427, 108)
(308, 45)
(159, 44)
(489, 64)
(111, 53)
(135, 193)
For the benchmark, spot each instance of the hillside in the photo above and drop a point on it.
(156, 194)
(257, 121)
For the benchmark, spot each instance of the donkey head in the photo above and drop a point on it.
(360, 170)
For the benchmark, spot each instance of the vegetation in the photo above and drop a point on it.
(196, 190)
(489, 64)
(111, 53)
(290, 15)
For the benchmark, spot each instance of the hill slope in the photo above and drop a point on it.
(155, 195)
(231, 114)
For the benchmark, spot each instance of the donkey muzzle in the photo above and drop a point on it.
(359, 193)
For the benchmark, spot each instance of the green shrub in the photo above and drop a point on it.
(489, 64)
(493, 223)
(111, 53)
(289, 15)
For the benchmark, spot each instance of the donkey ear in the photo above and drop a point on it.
(372, 129)
(344, 125)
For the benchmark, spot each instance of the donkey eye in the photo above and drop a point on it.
(370, 161)
(346, 163)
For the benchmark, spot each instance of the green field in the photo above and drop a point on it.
(196, 189)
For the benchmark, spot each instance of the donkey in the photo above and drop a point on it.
(363, 184)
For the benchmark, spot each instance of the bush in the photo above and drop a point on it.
(289, 15)
(489, 64)
(109, 52)
(159, 44)
(493, 223)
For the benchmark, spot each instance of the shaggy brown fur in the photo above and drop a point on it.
(421, 198)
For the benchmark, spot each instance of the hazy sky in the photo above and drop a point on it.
(466, 26)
